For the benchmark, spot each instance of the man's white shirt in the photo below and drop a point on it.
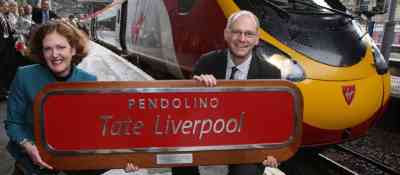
(243, 69)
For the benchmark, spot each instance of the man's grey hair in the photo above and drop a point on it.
(236, 15)
(12, 2)
(2, 2)
(39, 4)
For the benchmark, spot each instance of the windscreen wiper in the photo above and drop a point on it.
(326, 8)
(281, 12)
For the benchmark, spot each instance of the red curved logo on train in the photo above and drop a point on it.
(348, 93)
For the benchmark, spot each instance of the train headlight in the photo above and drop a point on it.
(290, 69)
(380, 62)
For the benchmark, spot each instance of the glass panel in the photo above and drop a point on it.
(148, 33)
(108, 26)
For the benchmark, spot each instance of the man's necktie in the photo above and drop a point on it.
(234, 70)
(4, 27)
(46, 17)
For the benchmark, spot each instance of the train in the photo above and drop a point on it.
(324, 51)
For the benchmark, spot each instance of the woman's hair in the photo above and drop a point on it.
(74, 36)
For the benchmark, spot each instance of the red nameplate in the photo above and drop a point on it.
(165, 123)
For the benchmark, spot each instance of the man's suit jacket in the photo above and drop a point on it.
(37, 15)
(215, 62)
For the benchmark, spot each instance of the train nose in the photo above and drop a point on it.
(334, 105)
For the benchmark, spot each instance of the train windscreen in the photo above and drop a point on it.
(320, 29)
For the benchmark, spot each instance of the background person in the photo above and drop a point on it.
(43, 14)
(21, 10)
(4, 37)
(7, 50)
(13, 12)
(28, 12)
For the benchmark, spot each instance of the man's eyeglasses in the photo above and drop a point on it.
(247, 34)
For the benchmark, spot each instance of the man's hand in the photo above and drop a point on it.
(207, 79)
(270, 161)
(271, 166)
(130, 167)
(33, 153)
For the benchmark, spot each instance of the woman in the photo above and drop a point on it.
(13, 15)
(57, 47)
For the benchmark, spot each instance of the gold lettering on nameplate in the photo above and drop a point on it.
(199, 128)
(168, 125)
(174, 103)
(120, 127)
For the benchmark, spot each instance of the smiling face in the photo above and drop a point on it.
(58, 54)
(13, 8)
(28, 9)
(241, 38)
(4, 8)
(21, 11)
(45, 5)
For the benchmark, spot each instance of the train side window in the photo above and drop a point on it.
(184, 6)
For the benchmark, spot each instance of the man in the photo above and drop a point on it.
(241, 35)
(24, 21)
(5, 35)
(237, 62)
(43, 14)
(4, 23)
(7, 50)
(28, 12)
(13, 12)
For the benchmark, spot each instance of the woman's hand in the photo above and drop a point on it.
(271, 162)
(130, 167)
(207, 79)
(33, 153)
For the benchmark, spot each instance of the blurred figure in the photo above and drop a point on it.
(22, 32)
(7, 50)
(24, 22)
(21, 11)
(4, 29)
(28, 12)
(43, 14)
(13, 12)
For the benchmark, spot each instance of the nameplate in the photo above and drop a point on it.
(104, 125)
